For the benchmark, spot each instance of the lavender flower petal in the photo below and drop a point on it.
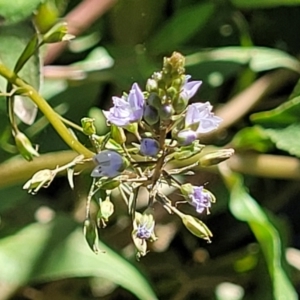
(127, 111)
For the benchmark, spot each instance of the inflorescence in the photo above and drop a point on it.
(167, 129)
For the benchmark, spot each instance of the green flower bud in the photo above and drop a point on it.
(40, 179)
(180, 104)
(166, 111)
(216, 157)
(172, 93)
(174, 65)
(154, 100)
(151, 85)
(151, 115)
(117, 134)
(105, 211)
(58, 33)
(91, 234)
(196, 227)
(24, 146)
(88, 126)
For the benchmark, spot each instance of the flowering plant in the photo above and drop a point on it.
(153, 115)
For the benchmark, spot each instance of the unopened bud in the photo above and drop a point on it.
(57, 33)
(117, 134)
(151, 85)
(154, 100)
(88, 126)
(24, 146)
(151, 115)
(216, 157)
(180, 104)
(105, 211)
(91, 234)
(174, 65)
(196, 227)
(166, 111)
(149, 147)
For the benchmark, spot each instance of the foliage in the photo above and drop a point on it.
(245, 53)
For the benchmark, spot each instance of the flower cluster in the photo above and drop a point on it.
(168, 131)
(152, 115)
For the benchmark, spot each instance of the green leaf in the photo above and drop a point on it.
(296, 91)
(191, 18)
(264, 3)
(252, 138)
(287, 139)
(246, 209)
(17, 37)
(283, 115)
(18, 10)
(58, 250)
(258, 58)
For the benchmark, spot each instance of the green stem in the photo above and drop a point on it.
(47, 110)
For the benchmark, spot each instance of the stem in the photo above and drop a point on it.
(47, 110)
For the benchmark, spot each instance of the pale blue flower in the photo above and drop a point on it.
(144, 232)
(127, 110)
(186, 137)
(197, 196)
(200, 199)
(149, 147)
(189, 89)
(109, 163)
(200, 118)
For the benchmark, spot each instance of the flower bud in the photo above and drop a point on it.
(88, 126)
(154, 100)
(180, 104)
(57, 33)
(216, 157)
(40, 179)
(186, 137)
(91, 234)
(174, 65)
(117, 134)
(196, 227)
(24, 146)
(166, 111)
(109, 163)
(151, 115)
(149, 147)
(105, 211)
(151, 85)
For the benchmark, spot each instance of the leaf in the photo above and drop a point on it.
(252, 138)
(287, 139)
(192, 18)
(16, 37)
(58, 250)
(18, 10)
(246, 209)
(258, 58)
(263, 3)
(283, 115)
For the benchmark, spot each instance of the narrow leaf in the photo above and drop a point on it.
(246, 209)
(58, 250)
(192, 18)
